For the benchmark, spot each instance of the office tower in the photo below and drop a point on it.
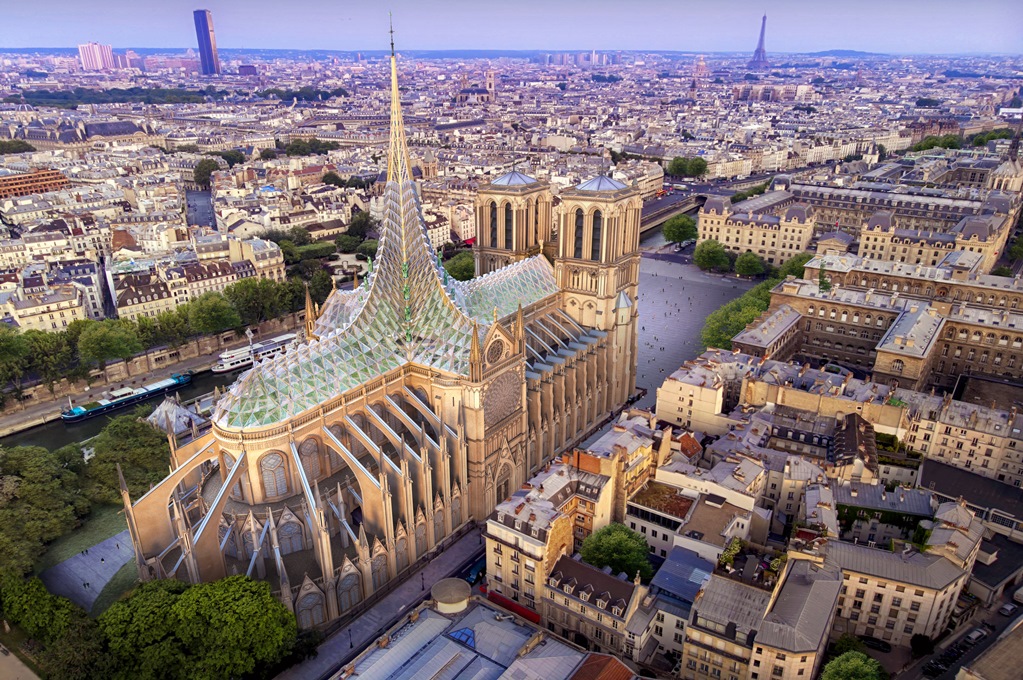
(759, 60)
(95, 57)
(207, 42)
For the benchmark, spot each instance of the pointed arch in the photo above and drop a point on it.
(273, 472)
(598, 227)
(311, 610)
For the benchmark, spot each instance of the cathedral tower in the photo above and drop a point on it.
(513, 220)
(598, 267)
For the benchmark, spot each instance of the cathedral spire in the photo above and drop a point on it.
(310, 316)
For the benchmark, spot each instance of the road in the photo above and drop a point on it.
(200, 207)
(992, 617)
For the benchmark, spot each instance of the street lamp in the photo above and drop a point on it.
(350, 643)
(422, 577)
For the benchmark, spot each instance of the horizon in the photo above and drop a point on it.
(906, 27)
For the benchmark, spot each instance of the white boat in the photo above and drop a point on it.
(237, 359)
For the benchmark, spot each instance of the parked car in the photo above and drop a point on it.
(874, 643)
(975, 636)
(1007, 609)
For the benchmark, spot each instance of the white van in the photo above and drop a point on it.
(1017, 597)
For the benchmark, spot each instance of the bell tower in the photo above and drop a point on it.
(513, 220)
(598, 268)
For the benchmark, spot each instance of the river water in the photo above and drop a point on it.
(56, 434)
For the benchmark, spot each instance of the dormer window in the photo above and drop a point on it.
(553, 582)
(617, 611)
(535, 532)
(518, 525)
(602, 603)
(569, 588)
(584, 596)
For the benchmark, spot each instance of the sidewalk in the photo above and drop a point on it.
(68, 578)
(374, 621)
(12, 421)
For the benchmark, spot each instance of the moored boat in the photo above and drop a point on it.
(125, 396)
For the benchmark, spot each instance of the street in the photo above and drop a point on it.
(200, 207)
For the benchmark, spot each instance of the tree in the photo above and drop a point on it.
(267, 154)
(749, 264)
(368, 248)
(689, 166)
(794, 266)
(823, 284)
(921, 645)
(299, 236)
(40, 500)
(346, 243)
(50, 355)
(320, 285)
(139, 448)
(709, 255)
(462, 266)
(211, 313)
(619, 547)
(203, 170)
(105, 340)
(848, 643)
(680, 228)
(853, 666)
(14, 146)
(140, 632)
(1002, 271)
(172, 326)
(14, 354)
(1016, 250)
(232, 156)
(362, 223)
(43, 616)
(230, 626)
(882, 153)
(333, 178)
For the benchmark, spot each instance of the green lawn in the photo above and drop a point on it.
(103, 522)
(13, 641)
(126, 578)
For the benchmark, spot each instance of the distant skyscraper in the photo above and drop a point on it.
(207, 42)
(759, 60)
(96, 57)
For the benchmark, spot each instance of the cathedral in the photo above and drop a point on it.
(414, 404)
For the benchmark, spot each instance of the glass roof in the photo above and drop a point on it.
(513, 178)
(406, 311)
(601, 183)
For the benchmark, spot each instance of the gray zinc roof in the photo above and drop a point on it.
(798, 619)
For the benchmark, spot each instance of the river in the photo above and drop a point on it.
(56, 434)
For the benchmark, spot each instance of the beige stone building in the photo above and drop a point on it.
(49, 311)
(589, 606)
(514, 216)
(142, 295)
(775, 238)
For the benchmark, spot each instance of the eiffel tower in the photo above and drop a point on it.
(759, 61)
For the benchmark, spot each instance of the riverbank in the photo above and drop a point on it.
(49, 411)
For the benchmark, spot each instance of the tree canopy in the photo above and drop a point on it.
(309, 147)
(711, 255)
(462, 266)
(749, 264)
(619, 547)
(680, 228)
(212, 313)
(268, 154)
(14, 146)
(333, 178)
(232, 156)
(368, 248)
(108, 339)
(346, 243)
(688, 166)
(853, 666)
(140, 449)
(203, 170)
(40, 500)
(361, 224)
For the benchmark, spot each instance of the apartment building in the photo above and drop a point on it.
(142, 294)
(590, 606)
(722, 630)
(31, 182)
(985, 235)
(49, 310)
(548, 518)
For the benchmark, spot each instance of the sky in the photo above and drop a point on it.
(892, 26)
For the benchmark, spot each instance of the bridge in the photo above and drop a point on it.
(660, 210)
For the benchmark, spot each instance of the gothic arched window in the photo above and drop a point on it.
(578, 254)
(311, 611)
(493, 224)
(309, 454)
(508, 223)
(349, 592)
(275, 475)
(598, 225)
(289, 537)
